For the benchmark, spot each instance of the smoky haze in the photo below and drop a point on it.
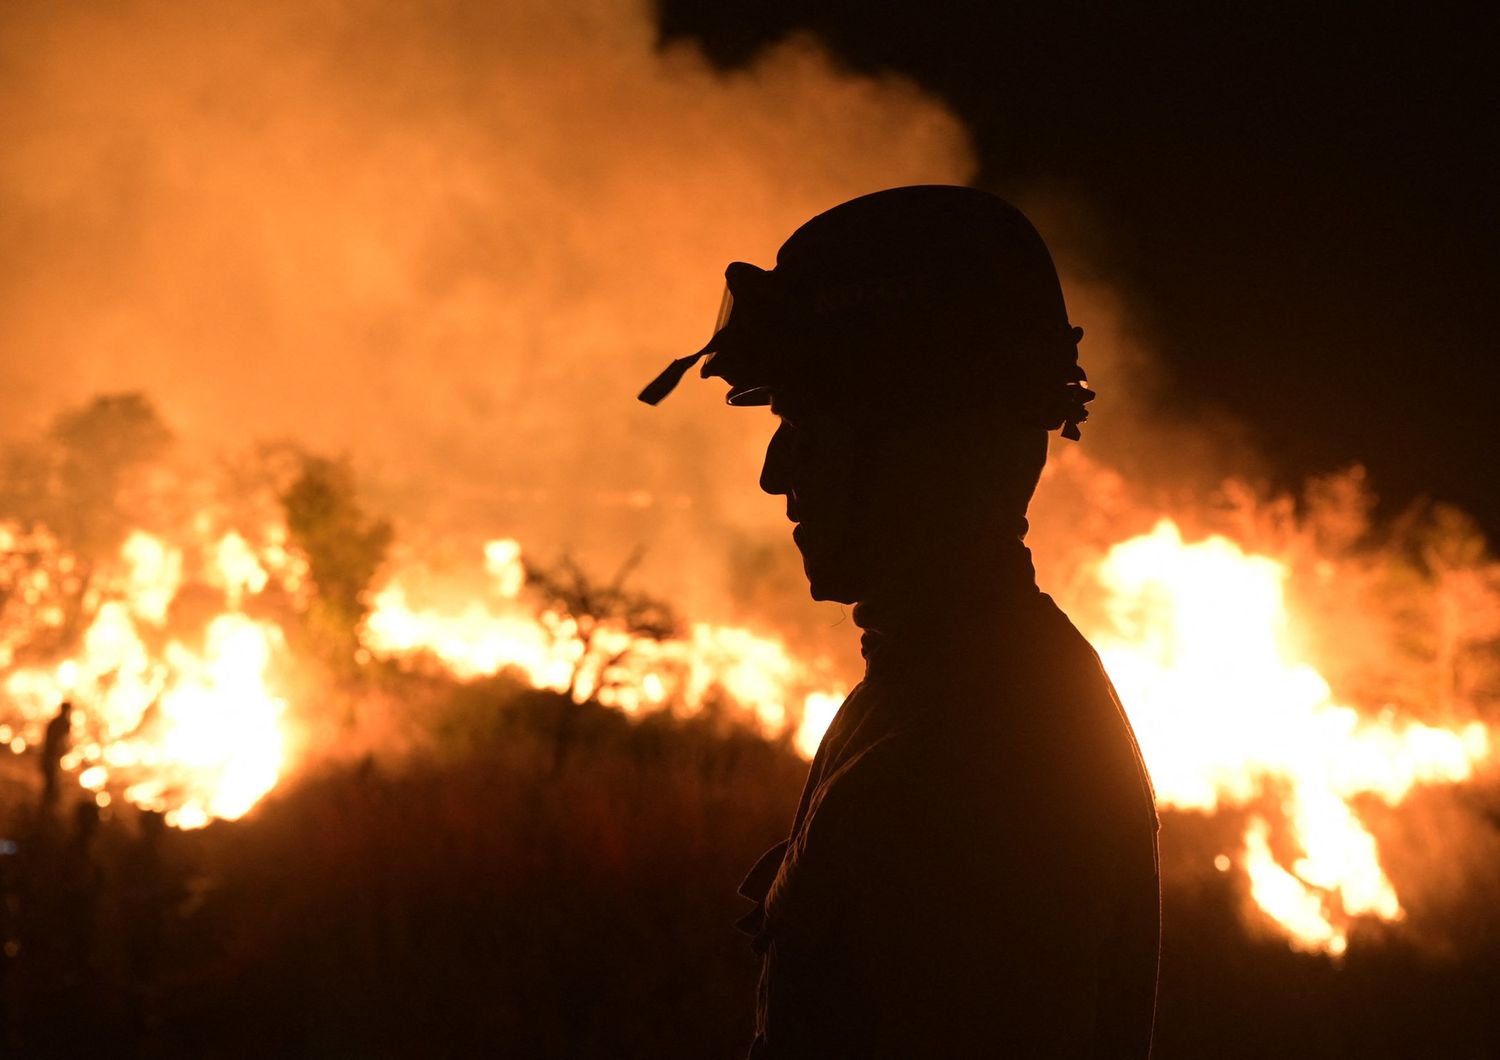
(449, 240)
(452, 240)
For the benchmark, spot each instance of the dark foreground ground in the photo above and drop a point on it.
(551, 881)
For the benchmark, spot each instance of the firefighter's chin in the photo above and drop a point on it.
(832, 570)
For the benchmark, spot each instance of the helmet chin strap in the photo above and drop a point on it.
(670, 376)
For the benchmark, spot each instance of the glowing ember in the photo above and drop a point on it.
(1197, 644)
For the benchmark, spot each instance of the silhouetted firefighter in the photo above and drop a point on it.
(972, 869)
(55, 744)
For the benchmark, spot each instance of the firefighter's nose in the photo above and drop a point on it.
(775, 477)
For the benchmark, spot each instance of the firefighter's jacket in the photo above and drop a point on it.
(972, 870)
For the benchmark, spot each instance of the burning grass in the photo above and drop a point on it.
(485, 893)
(473, 793)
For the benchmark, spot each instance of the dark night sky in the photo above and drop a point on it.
(1298, 203)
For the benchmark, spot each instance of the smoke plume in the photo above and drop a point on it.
(451, 240)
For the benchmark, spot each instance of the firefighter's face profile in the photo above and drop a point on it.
(813, 461)
(882, 500)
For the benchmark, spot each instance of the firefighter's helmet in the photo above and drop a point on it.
(930, 297)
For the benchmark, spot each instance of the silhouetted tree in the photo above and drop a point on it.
(76, 480)
(344, 546)
(100, 448)
(73, 494)
(571, 593)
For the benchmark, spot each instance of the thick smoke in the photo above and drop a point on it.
(451, 240)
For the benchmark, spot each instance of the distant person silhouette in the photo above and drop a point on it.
(972, 869)
(55, 744)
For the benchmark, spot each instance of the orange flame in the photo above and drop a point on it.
(1197, 643)
(755, 673)
(1196, 636)
(195, 733)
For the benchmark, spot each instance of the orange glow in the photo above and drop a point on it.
(192, 731)
(1198, 644)
(483, 634)
(1196, 635)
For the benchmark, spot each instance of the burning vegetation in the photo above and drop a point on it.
(434, 737)
(1281, 670)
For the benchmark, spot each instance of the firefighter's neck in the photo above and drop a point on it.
(943, 514)
(953, 577)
